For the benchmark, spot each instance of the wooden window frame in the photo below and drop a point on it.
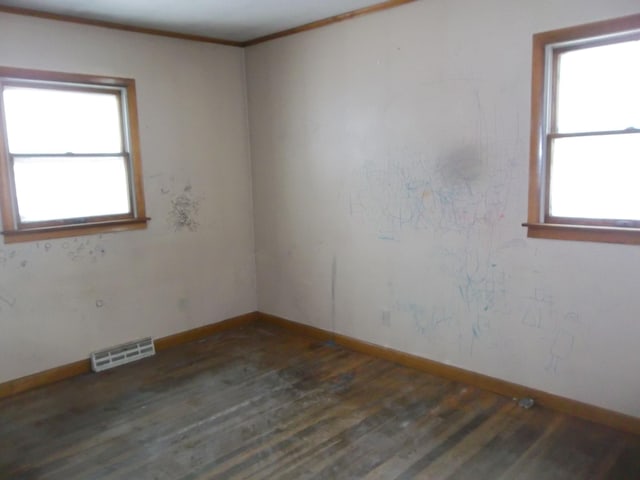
(15, 231)
(546, 48)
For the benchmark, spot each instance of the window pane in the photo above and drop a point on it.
(596, 177)
(58, 121)
(54, 188)
(598, 88)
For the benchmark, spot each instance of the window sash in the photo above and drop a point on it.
(551, 131)
(118, 93)
(553, 52)
(123, 153)
(601, 190)
(75, 219)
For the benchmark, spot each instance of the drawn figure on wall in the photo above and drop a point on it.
(539, 308)
(563, 342)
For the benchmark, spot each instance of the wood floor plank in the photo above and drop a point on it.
(259, 402)
(472, 445)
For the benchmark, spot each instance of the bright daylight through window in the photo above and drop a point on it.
(585, 142)
(70, 156)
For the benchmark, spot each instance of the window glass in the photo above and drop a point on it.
(599, 88)
(596, 177)
(44, 120)
(58, 188)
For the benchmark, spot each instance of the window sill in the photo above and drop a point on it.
(62, 231)
(583, 233)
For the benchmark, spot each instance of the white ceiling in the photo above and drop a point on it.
(236, 20)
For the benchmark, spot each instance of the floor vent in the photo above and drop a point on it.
(121, 354)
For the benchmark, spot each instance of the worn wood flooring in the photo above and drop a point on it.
(261, 403)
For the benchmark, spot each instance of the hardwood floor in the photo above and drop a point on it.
(261, 403)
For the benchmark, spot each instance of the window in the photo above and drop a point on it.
(69, 155)
(585, 133)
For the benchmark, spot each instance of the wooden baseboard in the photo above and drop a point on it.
(204, 331)
(585, 411)
(53, 375)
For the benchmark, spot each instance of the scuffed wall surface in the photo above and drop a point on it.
(194, 265)
(390, 165)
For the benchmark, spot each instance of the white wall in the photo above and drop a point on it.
(390, 164)
(61, 299)
(390, 158)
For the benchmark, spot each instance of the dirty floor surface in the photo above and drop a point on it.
(261, 403)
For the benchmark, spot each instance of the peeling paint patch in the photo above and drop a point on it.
(9, 258)
(183, 304)
(84, 249)
(184, 210)
(7, 300)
